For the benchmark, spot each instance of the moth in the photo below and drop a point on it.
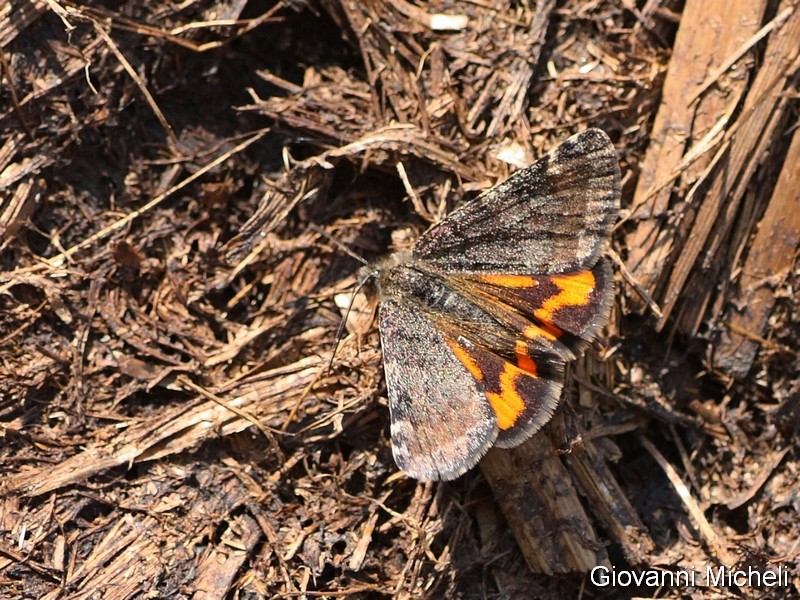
(479, 319)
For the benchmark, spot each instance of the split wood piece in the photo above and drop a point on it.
(610, 506)
(710, 31)
(220, 565)
(768, 263)
(536, 495)
(266, 400)
(17, 207)
(704, 263)
(127, 560)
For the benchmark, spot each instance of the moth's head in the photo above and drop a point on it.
(367, 275)
(374, 275)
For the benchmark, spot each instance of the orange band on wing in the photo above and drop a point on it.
(507, 404)
(465, 359)
(524, 360)
(510, 281)
(548, 331)
(575, 289)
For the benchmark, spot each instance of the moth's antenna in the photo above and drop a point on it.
(338, 244)
(364, 276)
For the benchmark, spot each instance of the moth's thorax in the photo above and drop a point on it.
(405, 278)
(394, 260)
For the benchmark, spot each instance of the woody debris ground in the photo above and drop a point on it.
(182, 188)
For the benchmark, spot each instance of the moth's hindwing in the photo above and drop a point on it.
(548, 320)
(522, 393)
(560, 313)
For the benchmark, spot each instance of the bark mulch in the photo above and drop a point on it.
(185, 188)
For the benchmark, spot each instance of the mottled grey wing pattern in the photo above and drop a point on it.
(551, 217)
(441, 421)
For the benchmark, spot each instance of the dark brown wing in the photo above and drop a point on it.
(557, 314)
